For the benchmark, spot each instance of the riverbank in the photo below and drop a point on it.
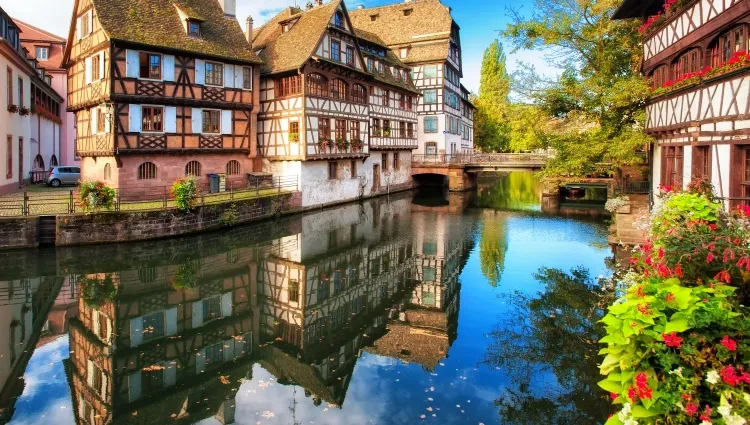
(624, 230)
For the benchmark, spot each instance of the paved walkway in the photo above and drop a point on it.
(624, 230)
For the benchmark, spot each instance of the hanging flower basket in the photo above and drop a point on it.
(357, 145)
(342, 144)
(13, 109)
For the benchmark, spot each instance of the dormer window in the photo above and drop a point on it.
(407, 12)
(194, 28)
(339, 20)
(373, 18)
(42, 53)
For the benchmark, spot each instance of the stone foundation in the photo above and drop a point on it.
(19, 232)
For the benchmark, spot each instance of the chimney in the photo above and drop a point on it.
(249, 31)
(229, 7)
(318, 2)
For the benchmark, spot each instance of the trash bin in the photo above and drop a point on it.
(213, 183)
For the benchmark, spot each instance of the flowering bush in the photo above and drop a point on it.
(661, 16)
(357, 145)
(342, 144)
(678, 341)
(738, 60)
(95, 195)
(615, 204)
(185, 193)
(324, 144)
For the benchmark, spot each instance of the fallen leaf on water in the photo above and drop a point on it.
(268, 414)
(224, 380)
(135, 413)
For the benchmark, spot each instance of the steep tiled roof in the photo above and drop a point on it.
(428, 52)
(285, 51)
(32, 36)
(405, 23)
(157, 23)
(389, 58)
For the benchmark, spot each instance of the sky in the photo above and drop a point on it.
(479, 20)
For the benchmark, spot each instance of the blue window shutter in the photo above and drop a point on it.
(200, 72)
(168, 64)
(132, 64)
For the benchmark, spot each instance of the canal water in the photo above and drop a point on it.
(418, 308)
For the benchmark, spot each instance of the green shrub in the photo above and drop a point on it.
(185, 193)
(685, 207)
(186, 276)
(95, 196)
(97, 290)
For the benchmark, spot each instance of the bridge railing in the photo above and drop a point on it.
(479, 159)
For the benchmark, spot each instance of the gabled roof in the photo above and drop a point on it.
(31, 36)
(30, 32)
(157, 23)
(390, 58)
(286, 51)
(406, 23)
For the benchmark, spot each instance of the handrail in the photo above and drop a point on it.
(480, 159)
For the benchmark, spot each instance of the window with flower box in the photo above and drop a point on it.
(354, 130)
(324, 128)
(317, 85)
(659, 77)
(733, 41)
(340, 129)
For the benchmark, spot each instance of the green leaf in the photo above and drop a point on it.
(611, 386)
(642, 412)
(679, 325)
(614, 420)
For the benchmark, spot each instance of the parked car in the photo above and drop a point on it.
(59, 176)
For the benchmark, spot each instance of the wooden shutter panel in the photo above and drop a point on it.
(238, 77)
(200, 361)
(197, 314)
(132, 64)
(170, 119)
(78, 28)
(105, 385)
(229, 76)
(101, 65)
(134, 386)
(94, 113)
(91, 22)
(171, 319)
(95, 317)
(136, 120)
(197, 120)
(108, 123)
(226, 304)
(136, 331)
(90, 373)
(226, 122)
(87, 64)
(200, 72)
(228, 350)
(168, 63)
(170, 374)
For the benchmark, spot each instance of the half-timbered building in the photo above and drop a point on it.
(337, 108)
(695, 53)
(424, 36)
(162, 89)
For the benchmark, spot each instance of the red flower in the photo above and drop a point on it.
(724, 276)
(729, 343)
(613, 396)
(641, 382)
(672, 340)
(641, 379)
(729, 375)
(709, 257)
(706, 416)
(691, 409)
(678, 271)
(670, 297)
(686, 397)
(632, 394)
(661, 253)
(712, 227)
(644, 309)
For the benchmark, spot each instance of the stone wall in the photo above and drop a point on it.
(18, 232)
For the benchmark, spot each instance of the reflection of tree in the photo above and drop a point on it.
(493, 245)
(516, 191)
(554, 333)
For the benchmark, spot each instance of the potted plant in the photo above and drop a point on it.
(12, 109)
(357, 145)
(294, 137)
(387, 132)
(185, 193)
(95, 196)
(324, 144)
(619, 205)
(342, 144)
(24, 111)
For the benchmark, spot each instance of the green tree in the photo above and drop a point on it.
(599, 98)
(491, 120)
(493, 244)
(529, 126)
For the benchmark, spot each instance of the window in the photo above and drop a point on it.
(336, 51)
(42, 53)
(430, 71)
(735, 40)
(194, 28)
(333, 170)
(147, 171)
(402, 101)
(702, 163)
(431, 124)
(429, 248)
(10, 86)
(107, 172)
(53, 161)
(359, 94)
(153, 326)
(740, 175)
(152, 379)
(96, 379)
(287, 86)
(9, 158)
(152, 118)
(339, 89)
(150, 66)
(396, 162)
(20, 92)
(95, 67)
(686, 64)
(294, 131)
(384, 161)
(375, 127)
(672, 166)
(431, 148)
(430, 97)
(317, 85)
(386, 98)
(293, 291)
(101, 120)
(38, 163)
(211, 308)
(193, 168)
(354, 131)
(324, 128)
(353, 169)
(148, 274)
(349, 55)
(659, 77)
(401, 129)
(340, 129)
(386, 128)
(339, 20)
(410, 130)
(214, 74)
(85, 25)
(370, 64)
(214, 354)
(233, 168)
(247, 78)
(101, 331)
(211, 121)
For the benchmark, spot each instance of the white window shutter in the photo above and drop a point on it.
(78, 28)
(197, 120)
(90, 373)
(170, 119)
(200, 361)
(226, 304)
(134, 386)
(170, 373)
(200, 72)
(238, 77)
(108, 123)
(229, 350)
(229, 76)
(91, 22)
(109, 330)
(132, 64)
(105, 385)
(197, 314)
(95, 317)
(136, 121)
(226, 122)
(171, 319)
(136, 331)
(168, 64)
(94, 118)
(101, 65)
(87, 64)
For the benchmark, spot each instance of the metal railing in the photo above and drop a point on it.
(635, 188)
(62, 202)
(481, 159)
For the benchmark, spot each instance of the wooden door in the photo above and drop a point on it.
(376, 178)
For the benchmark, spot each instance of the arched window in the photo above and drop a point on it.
(193, 168)
(53, 161)
(107, 172)
(38, 163)
(686, 64)
(233, 168)
(359, 94)
(147, 171)
(339, 20)
(729, 43)
(317, 85)
(659, 77)
(339, 89)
